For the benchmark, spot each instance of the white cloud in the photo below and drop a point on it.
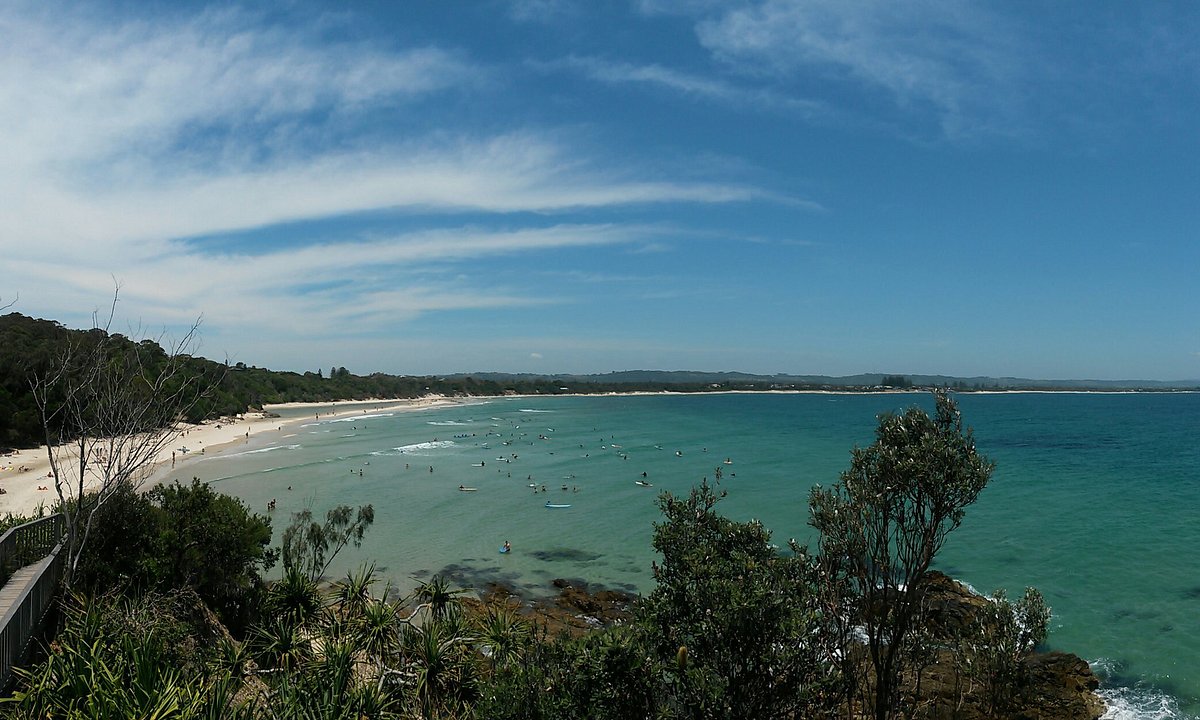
(331, 288)
(710, 88)
(542, 11)
(76, 92)
(123, 138)
(143, 131)
(957, 61)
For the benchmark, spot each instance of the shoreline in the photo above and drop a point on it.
(27, 485)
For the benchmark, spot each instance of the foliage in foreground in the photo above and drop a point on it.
(310, 546)
(175, 537)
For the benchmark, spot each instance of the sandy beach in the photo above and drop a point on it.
(27, 483)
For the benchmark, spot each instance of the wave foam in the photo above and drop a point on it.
(1138, 704)
(446, 422)
(1133, 703)
(356, 418)
(263, 450)
(416, 448)
(534, 411)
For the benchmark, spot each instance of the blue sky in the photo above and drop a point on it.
(549, 186)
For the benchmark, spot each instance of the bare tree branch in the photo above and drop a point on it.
(110, 405)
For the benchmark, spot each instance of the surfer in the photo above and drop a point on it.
(507, 546)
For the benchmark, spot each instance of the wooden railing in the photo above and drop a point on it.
(38, 543)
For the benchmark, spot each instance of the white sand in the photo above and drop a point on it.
(22, 473)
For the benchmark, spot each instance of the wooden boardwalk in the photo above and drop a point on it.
(26, 596)
(18, 583)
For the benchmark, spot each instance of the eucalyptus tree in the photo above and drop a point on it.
(310, 546)
(885, 520)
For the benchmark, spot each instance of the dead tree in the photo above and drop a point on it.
(109, 406)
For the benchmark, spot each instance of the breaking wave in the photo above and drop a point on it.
(416, 448)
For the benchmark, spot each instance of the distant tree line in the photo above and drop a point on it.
(29, 346)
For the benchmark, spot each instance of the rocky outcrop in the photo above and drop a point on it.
(1052, 686)
(577, 608)
(1061, 687)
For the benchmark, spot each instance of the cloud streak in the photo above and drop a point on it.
(958, 62)
(127, 143)
(709, 88)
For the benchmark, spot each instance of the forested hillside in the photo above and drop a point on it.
(30, 347)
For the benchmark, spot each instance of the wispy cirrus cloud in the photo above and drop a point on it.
(689, 84)
(213, 90)
(125, 140)
(336, 287)
(499, 175)
(961, 63)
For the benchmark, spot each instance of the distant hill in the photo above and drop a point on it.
(29, 345)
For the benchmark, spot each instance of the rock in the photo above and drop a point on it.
(1058, 686)
(1061, 686)
(575, 609)
(953, 608)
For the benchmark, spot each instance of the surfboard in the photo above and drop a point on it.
(556, 505)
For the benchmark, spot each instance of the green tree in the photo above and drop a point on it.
(735, 617)
(1007, 633)
(310, 546)
(214, 544)
(119, 556)
(176, 537)
(884, 521)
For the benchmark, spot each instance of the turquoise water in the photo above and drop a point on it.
(1095, 500)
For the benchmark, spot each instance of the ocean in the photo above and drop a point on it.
(1095, 500)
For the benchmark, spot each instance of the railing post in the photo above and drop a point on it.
(19, 620)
